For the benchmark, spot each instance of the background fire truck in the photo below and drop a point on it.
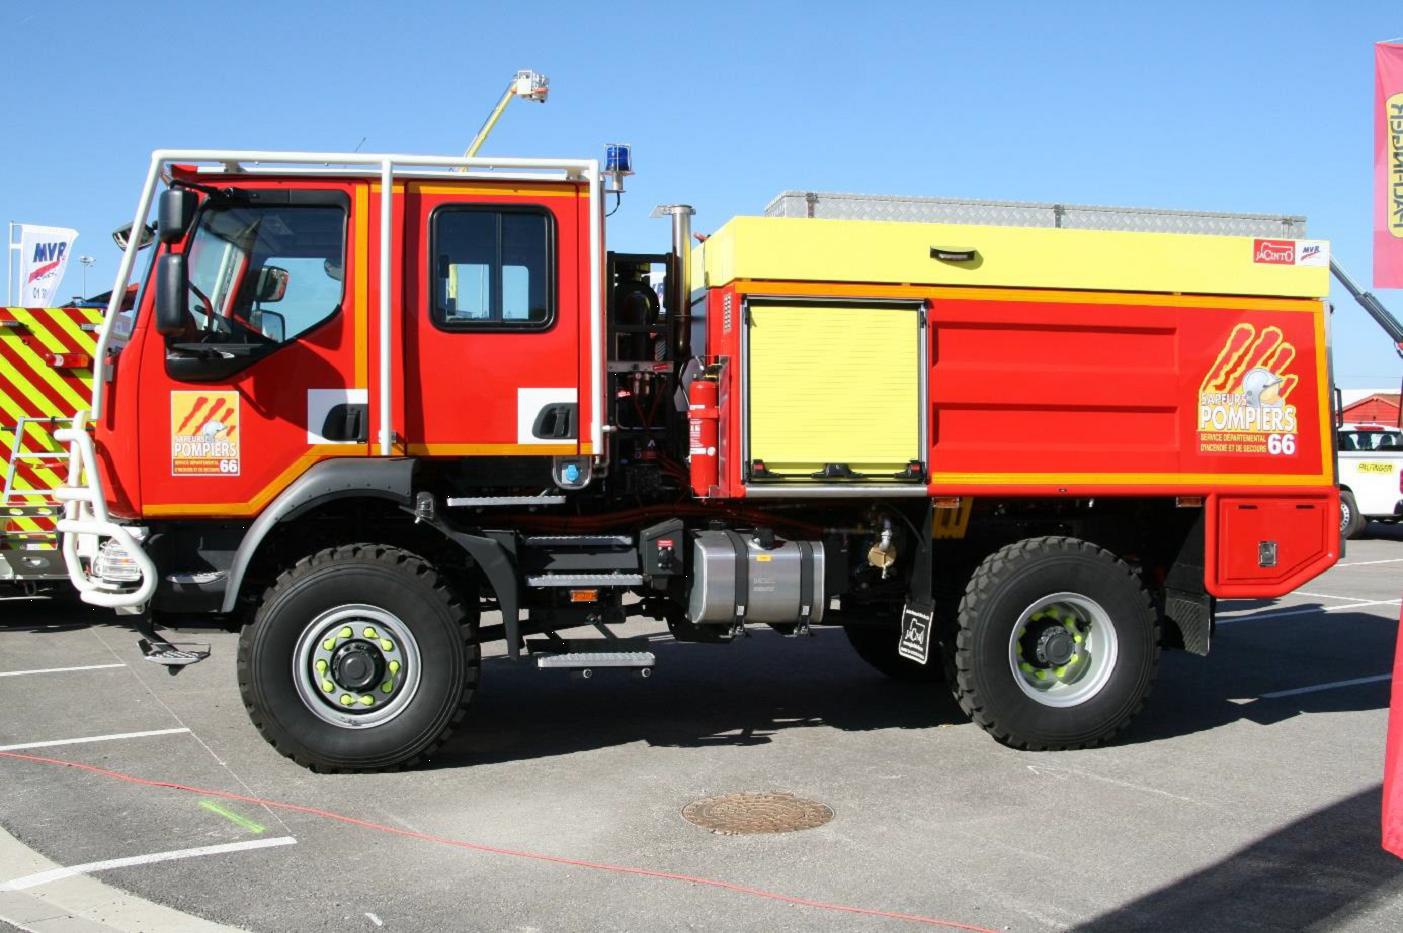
(365, 399)
(45, 378)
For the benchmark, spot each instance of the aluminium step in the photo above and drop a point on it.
(545, 580)
(578, 541)
(587, 661)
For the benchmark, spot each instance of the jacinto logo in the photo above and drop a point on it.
(1276, 252)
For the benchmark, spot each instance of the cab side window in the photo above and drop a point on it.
(492, 268)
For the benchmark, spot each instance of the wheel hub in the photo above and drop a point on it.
(357, 665)
(1055, 646)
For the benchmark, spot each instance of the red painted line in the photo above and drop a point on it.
(498, 850)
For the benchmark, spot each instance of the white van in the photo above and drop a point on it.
(1371, 475)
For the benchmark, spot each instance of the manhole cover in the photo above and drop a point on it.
(739, 814)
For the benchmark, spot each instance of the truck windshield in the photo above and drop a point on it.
(269, 271)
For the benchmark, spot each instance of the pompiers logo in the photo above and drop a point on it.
(1275, 252)
(204, 433)
(1242, 401)
(1393, 164)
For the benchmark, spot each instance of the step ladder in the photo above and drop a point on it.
(18, 503)
(583, 657)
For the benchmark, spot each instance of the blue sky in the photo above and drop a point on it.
(1239, 106)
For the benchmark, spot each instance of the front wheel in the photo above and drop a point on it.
(1056, 645)
(359, 659)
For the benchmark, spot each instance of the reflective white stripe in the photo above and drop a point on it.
(56, 874)
(1365, 563)
(1331, 686)
(59, 670)
(90, 738)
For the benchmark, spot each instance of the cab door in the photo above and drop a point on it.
(492, 320)
(265, 379)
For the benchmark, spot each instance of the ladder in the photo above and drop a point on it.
(16, 502)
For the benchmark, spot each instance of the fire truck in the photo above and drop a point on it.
(366, 404)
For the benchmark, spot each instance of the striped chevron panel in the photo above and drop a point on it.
(45, 373)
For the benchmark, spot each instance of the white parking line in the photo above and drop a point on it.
(89, 738)
(55, 874)
(1326, 596)
(59, 670)
(1331, 686)
(1365, 563)
(1305, 610)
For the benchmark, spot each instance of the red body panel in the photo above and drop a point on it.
(1085, 395)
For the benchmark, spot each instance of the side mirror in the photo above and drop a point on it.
(271, 284)
(172, 295)
(123, 234)
(175, 213)
(270, 324)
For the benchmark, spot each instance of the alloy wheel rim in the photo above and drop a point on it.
(1063, 649)
(356, 666)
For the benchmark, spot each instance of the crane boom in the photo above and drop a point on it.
(1369, 303)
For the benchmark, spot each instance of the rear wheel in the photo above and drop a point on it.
(877, 644)
(1351, 522)
(359, 659)
(1056, 645)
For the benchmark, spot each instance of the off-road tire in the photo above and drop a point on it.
(1351, 522)
(977, 655)
(443, 625)
(877, 644)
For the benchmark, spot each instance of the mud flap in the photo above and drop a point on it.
(918, 615)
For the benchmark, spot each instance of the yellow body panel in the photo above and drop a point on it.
(834, 384)
(806, 249)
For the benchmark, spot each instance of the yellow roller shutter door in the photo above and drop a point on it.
(834, 384)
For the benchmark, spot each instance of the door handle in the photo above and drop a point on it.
(556, 421)
(347, 423)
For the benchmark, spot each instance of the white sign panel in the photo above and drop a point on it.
(43, 255)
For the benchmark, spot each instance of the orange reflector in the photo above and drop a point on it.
(945, 502)
(68, 360)
(1189, 502)
(584, 596)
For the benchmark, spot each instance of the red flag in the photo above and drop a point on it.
(1388, 165)
(1393, 759)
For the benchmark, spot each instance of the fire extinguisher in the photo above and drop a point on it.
(702, 417)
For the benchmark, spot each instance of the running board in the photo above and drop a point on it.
(584, 580)
(584, 656)
(502, 501)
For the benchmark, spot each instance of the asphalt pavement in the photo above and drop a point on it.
(1246, 797)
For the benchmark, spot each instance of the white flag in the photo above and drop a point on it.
(43, 255)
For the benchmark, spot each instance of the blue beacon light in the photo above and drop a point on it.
(618, 163)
